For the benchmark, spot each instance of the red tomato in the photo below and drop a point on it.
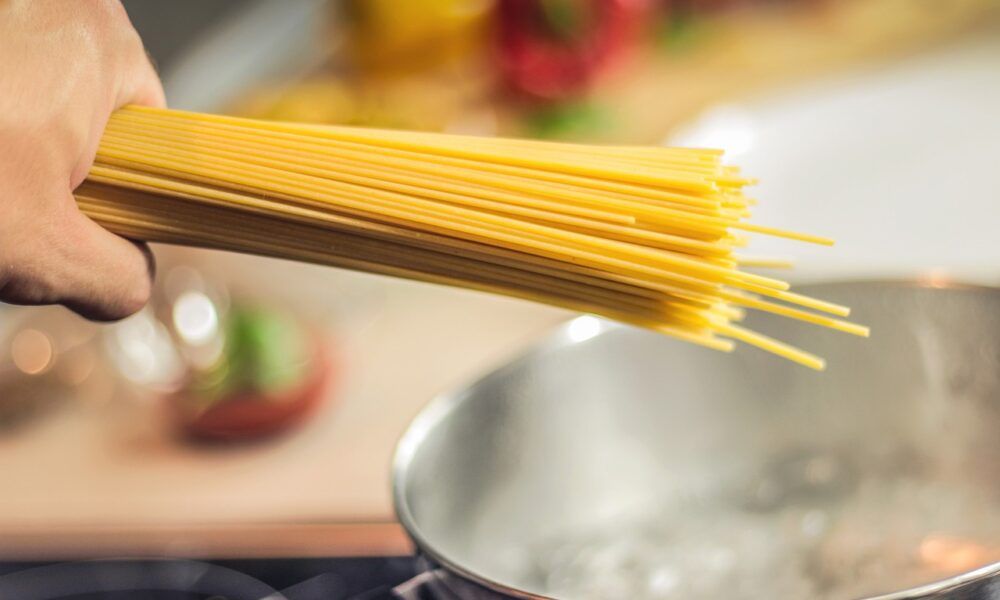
(245, 415)
(542, 60)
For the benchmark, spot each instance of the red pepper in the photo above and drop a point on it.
(553, 50)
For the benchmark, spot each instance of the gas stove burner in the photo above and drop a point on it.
(166, 578)
(434, 583)
(383, 578)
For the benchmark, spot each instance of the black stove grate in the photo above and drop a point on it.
(252, 579)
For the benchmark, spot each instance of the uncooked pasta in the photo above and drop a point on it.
(643, 235)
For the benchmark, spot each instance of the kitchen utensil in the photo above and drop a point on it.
(612, 463)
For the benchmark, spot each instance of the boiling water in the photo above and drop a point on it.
(814, 531)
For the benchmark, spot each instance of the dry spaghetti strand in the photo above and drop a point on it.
(641, 235)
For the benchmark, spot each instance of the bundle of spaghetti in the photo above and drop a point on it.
(643, 235)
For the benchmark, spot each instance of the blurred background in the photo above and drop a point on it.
(252, 409)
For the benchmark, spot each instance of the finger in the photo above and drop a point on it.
(103, 276)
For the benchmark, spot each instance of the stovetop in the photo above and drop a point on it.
(382, 578)
(379, 578)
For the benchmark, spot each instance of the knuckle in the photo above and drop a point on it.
(107, 11)
(114, 34)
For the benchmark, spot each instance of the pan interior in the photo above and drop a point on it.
(629, 465)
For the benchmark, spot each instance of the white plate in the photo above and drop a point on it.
(899, 164)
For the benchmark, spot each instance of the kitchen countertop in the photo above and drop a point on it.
(115, 479)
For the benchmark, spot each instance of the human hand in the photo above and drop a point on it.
(65, 66)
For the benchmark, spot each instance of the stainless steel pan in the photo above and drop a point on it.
(615, 463)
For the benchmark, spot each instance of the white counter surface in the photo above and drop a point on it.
(897, 163)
